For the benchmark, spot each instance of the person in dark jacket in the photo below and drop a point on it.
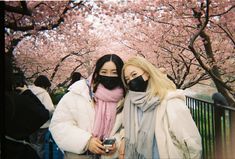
(24, 114)
(40, 89)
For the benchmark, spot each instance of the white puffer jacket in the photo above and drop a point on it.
(45, 98)
(176, 133)
(73, 119)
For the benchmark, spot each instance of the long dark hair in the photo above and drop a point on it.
(99, 64)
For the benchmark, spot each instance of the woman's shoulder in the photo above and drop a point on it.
(76, 91)
(176, 101)
(37, 90)
(177, 94)
(80, 87)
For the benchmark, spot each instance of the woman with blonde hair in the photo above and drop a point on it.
(158, 124)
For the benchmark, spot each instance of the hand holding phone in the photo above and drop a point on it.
(108, 143)
(96, 146)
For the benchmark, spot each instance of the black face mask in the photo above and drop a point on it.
(138, 84)
(109, 82)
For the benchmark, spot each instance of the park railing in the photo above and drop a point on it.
(216, 124)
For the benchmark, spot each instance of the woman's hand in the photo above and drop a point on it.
(122, 149)
(95, 146)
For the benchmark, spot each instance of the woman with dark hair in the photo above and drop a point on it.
(91, 112)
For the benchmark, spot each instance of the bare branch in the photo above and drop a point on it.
(64, 58)
(68, 78)
(196, 35)
(223, 13)
(30, 27)
(228, 34)
(37, 73)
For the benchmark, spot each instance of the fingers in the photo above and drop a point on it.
(113, 147)
(95, 146)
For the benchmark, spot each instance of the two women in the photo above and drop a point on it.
(157, 122)
(90, 112)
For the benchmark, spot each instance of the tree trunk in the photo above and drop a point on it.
(215, 69)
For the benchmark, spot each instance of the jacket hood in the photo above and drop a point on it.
(80, 87)
(36, 90)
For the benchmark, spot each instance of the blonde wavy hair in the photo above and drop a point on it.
(158, 84)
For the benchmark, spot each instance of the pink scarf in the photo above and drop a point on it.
(105, 110)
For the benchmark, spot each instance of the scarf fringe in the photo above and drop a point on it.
(130, 149)
(147, 153)
(136, 151)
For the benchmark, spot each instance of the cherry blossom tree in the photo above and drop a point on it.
(213, 66)
(49, 38)
(191, 42)
(53, 38)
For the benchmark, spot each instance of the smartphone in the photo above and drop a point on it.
(108, 142)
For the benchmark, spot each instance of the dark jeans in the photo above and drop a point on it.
(38, 139)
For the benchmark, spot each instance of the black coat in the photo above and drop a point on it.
(24, 114)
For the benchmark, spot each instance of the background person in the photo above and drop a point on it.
(75, 76)
(24, 114)
(151, 100)
(40, 87)
(90, 112)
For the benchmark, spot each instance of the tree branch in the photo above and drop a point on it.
(220, 14)
(30, 27)
(19, 10)
(196, 35)
(64, 58)
(228, 34)
(68, 78)
(200, 32)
